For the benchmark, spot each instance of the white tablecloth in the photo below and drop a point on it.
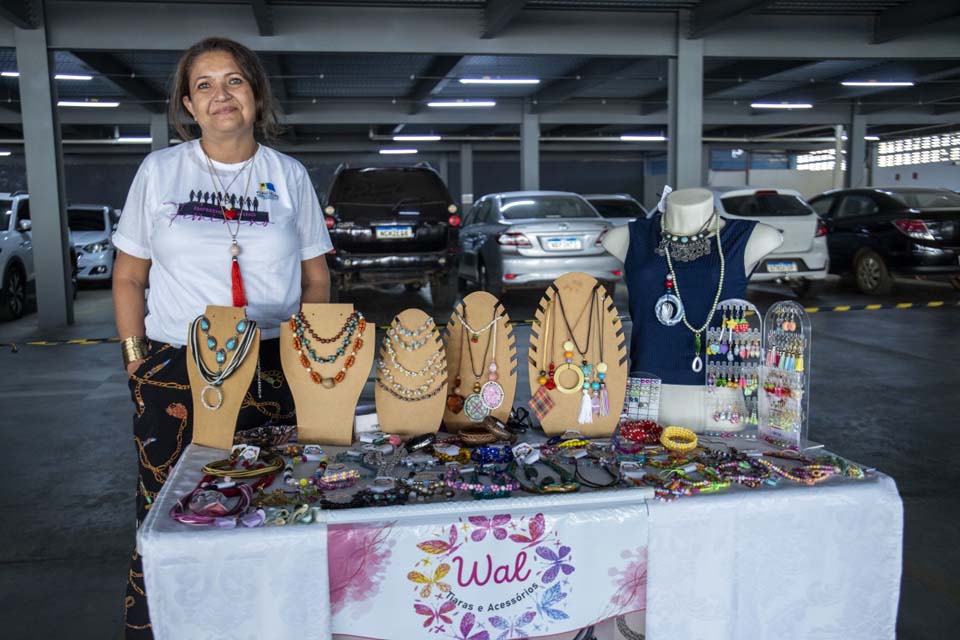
(789, 562)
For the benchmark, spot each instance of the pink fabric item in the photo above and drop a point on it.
(357, 556)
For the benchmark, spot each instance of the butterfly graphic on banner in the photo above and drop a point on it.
(537, 528)
(444, 547)
(558, 562)
(513, 628)
(434, 614)
(549, 601)
(428, 583)
(484, 525)
(466, 626)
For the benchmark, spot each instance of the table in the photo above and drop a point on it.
(780, 562)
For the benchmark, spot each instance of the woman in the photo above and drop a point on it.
(196, 213)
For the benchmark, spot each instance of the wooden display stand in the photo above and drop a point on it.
(325, 416)
(215, 428)
(576, 289)
(481, 307)
(413, 417)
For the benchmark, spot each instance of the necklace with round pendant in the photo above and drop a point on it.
(669, 308)
(474, 408)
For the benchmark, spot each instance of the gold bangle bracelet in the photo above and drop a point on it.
(133, 348)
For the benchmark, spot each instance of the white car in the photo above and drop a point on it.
(802, 261)
(91, 226)
(618, 208)
(16, 253)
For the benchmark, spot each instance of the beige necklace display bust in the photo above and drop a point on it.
(688, 211)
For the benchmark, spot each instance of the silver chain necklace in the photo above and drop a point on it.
(238, 213)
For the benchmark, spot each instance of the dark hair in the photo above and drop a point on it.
(267, 123)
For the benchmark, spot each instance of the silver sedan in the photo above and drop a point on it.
(529, 238)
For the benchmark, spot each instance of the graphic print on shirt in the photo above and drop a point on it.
(267, 191)
(208, 205)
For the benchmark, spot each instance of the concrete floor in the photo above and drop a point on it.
(884, 394)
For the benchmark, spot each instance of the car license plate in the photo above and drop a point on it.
(393, 233)
(786, 266)
(564, 244)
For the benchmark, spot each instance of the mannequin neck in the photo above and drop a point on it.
(687, 219)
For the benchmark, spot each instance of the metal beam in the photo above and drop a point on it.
(435, 74)
(498, 14)
(44, 161)
(263, 15)
(22, 14)
(900, 20)
(711, 15)
(589, 75)
(921, 96)
(124, 77)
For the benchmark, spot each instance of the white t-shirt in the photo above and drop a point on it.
(173, 217)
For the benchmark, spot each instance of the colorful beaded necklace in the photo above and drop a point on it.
(351, 332)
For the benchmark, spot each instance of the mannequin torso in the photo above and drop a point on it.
(687, 211)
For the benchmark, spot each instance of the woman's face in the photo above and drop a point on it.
(221, 100)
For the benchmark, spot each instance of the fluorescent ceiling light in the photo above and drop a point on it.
(415, 138)
(59, 76)
(781, 105)
(4, 153)
(872, 138)
(876, 83)
(10, 74)
(397, 152)
(499, 81)
(633, 138)
(462, 103)
(134, 140)
(86, 103)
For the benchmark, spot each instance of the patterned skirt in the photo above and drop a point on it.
(163, 426)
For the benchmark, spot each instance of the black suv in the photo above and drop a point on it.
(391, 225)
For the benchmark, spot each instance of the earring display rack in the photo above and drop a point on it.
(732, 371)
(642, 401)
(785, 376)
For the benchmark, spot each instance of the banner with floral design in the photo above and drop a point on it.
(495, 576)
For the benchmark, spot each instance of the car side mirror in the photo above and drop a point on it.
(24, 225)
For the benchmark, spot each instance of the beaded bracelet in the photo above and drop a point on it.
(463, 455)
(575, 443)
(678, 439)
(641, 431)
(501, 487)
(487, 455)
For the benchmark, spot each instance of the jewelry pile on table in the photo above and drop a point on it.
(484, 463)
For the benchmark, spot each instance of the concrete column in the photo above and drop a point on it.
(444, 169)
(856, 150)
(838, 156)
(466, 176)
(44, 160)
(159, 131)
(530, 151)
(685, 96)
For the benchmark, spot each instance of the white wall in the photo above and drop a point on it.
(936, 174)
(808, 183)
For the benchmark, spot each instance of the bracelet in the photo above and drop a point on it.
(134, 348)
(678, 439)
(546, 485)
(501, 487)
(271, 464)
(187, 509)
(462, 456)
(495, 454)
(498, 429)
(576, 443)
(615, 477)
(477, 437)
(418, 443)
(641, 431)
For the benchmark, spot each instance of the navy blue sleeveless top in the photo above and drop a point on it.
(668, 351)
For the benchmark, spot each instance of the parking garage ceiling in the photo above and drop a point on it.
(358, 95)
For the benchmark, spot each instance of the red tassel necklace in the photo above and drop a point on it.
(231, 214)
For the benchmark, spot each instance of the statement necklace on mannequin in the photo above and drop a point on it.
(229, 358)
(685, 248)
(229, 215)
(673, 284)
(489, 396)
(351, 332)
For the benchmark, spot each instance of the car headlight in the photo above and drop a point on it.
(96, 247)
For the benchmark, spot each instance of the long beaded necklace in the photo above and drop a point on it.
(228, 359)
(598, 385)
(489, 396)
(236, 279)
(351, 332)
(697, 363)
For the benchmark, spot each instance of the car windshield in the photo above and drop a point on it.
(766, 204)
(618, 208)
(86, 220)
(546, 207)
(388, 187)
(6, 212)
(927, 199)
